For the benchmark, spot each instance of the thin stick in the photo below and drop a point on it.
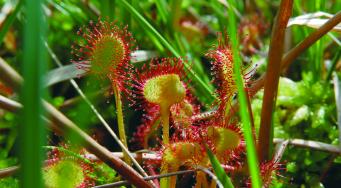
(337, 91)
(9, 75)
(280, 150)
(272, 79)
(9, 104)
(312, 145)
(122, 183)
(8, 171)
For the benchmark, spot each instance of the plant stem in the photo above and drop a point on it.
(172, 183)
(201, 180)
(165, 124)
(121, 130)
(272, 79)
(165, 139)
(164, 183)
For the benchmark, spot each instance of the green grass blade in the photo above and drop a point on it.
(250, 145)
(32, 129)
(162, 9)
(219, 171)
(157, 35)
(108, 9)
(148, 26)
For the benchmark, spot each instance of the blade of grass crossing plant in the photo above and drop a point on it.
(250, 145)
(4, 27)
(219, 171)
(175, 6)
(33, 67)
(144, 22)
(147, 25)
(125, 15)
(162, 9)
(220, 15)
(108, 9)
(319, 45)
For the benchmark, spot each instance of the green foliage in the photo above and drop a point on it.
(305, 107)
(9, 182)
(304, 110)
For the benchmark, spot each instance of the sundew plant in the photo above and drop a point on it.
(178, 93)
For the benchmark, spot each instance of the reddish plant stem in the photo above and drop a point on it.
(290, 56)
(272, 79)
(310, 40)
(253, 129)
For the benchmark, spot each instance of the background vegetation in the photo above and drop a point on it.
(37, 44)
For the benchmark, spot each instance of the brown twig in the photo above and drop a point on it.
(121, 183)
(205, 170)
(249, 107)
(272, 79)
(280, 148)
(9, 104)
(310, 40)
(8, 171)
(11, 77)
(312, 145)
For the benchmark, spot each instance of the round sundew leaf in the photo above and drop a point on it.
(109, 51)
(181, 152)
(67, 174)
(223, 138)
(164, 90)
